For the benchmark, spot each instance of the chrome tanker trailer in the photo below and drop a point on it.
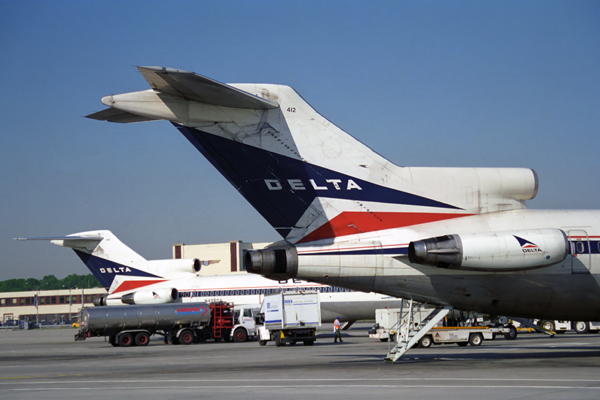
(182, 323)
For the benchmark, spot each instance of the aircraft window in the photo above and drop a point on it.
(580, 247)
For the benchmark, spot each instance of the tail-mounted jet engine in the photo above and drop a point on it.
(157, 296)
(277, 261)
(492, 251)
(175, 266)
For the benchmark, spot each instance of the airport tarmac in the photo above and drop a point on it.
(48, 364)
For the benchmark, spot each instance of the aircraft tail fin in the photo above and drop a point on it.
(307, 177)
(104, 255)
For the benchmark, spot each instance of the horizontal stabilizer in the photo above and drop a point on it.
(195, 87)
(115, 115)
(79, 238)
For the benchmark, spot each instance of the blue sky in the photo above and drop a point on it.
(424, 83)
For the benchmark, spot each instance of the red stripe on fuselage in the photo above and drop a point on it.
(128, 285)
(355, 222)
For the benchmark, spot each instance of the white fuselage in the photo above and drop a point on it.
(544, 292)
(250, 289)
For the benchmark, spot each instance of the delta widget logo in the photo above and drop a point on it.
(527, 246)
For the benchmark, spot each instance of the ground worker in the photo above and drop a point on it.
(336, 329)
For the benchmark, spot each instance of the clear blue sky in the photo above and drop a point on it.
(424, 83)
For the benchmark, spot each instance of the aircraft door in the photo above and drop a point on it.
(581, 252)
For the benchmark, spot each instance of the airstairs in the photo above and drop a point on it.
(409, 331)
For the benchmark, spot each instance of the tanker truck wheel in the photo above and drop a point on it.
(186, 337)
(125, 340)
(142, 339)
(240, 335)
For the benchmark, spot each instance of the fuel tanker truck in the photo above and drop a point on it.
(181, 323)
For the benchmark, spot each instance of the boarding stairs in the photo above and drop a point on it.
(409, 332)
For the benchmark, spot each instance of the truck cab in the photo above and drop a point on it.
(246, 320)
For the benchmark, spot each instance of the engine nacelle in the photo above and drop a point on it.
(174, 267)
(157, 296)
(492, 251)
(104, 300)
(277, 261)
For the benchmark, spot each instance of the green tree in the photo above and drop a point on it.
(50, 282)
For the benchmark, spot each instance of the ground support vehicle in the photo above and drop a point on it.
(412, 329)
(387, 322)
(181, 323)
(246, 320)
(290, 317)
(462, 336)
(586, 326)
(577, 326)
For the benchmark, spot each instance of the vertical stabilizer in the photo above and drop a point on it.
(308, 178)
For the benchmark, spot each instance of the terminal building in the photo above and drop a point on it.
(63, 306)
(217, 258)
(53, 306)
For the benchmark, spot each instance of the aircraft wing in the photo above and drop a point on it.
(115, 115)
(195, 87)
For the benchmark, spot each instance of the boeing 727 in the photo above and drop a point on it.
(131, 279)
(458, 237)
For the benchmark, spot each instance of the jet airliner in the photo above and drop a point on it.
(458, 237)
